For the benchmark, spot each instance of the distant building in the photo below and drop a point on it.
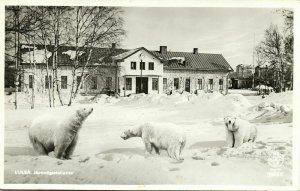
(127, 71)
(242, 77)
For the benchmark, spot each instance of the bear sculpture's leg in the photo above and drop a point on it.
(181, 147)
(238, 141)
(38, 146)
(69, 151)
(148, 147)
(171, 152)
(155, 148)
(60, 150)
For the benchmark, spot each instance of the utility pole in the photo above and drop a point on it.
(253, 69)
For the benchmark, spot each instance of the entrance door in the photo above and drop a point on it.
(187, 85)
(141, 85)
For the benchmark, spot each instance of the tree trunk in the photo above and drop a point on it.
(47, 71)
(56, 62)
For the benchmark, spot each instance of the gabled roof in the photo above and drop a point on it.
(200, 61)
(103, 56)
(128, 53)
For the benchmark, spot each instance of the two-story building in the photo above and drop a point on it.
(127, 71)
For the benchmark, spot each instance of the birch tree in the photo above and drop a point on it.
(94, 27)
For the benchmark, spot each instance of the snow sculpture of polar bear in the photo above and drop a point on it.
(239, 131)
(159, 137)
(48, 133)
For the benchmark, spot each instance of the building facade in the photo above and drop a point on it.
(127, 71)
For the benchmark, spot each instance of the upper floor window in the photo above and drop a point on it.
(151, 65)
(133, 66)
(142, 65)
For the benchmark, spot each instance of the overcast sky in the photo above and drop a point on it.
(229, 31)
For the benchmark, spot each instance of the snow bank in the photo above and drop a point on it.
(274, 108)
(202, 105)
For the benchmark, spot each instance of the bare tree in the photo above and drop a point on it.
(59, 23)
(271, 49)
(94, 27)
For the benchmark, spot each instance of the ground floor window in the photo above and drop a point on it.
(165, 81)
(30, 81)
(221, 84)
(64, 82)
(154, 83)
(128, 83)
(211, 84)
(94, 83)
(48, 81)
(176, 83)
(200, 87)
(108, 84)
(79, 81)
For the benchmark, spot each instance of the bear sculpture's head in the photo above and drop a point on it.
(230, 123)
(84, 112)
(130, 133)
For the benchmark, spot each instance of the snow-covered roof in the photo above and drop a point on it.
(72, 53)
(37, 56)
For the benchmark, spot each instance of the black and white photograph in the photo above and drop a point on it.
(150, 95)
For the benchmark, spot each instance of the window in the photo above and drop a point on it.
(154, 83)
(30, 81)
(48, 82)
(133, 65)
(211, 85)
(165, 81)
(200, 84)
(221, 84)
(64, 82)
(151, 65)
(128, 83)
(78, 82)
(94, 83)
(108, 82)
(176, 83)
(142, 65)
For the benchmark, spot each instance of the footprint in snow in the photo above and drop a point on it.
(176, 162)
(214, 164)
(173, 169)
(198, 158)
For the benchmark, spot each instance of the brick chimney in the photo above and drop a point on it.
(195, 51)
(163, 49)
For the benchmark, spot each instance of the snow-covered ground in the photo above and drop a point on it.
(102, 157)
